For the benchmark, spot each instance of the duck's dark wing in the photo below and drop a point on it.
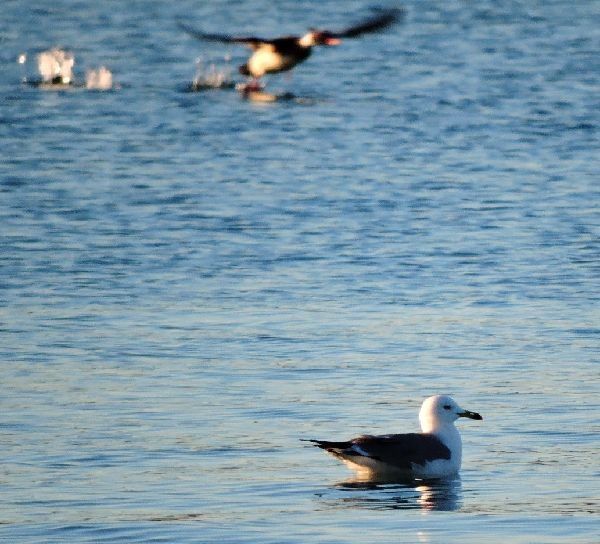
(379, 22)
(251, 41)
(398, 450)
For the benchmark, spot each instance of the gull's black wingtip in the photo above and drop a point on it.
(318, 443)
(327, 444)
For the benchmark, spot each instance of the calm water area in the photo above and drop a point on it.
(192, 282)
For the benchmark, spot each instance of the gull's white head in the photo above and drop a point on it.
(441, 410)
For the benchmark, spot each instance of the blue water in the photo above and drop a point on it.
(192, 282)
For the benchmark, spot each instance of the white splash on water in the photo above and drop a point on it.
(56, 66)
(211, 77)
(100, 79)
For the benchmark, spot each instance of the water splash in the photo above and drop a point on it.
(56, 66)
(100, 79)
(211, 77)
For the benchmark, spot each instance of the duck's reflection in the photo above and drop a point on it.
(434, 495)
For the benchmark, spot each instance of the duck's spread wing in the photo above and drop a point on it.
(379, 22)
(250, 41)
(398, 450)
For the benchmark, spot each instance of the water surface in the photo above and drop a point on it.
(191, 282)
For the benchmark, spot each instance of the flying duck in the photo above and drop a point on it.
(282, 54)
(434, 453)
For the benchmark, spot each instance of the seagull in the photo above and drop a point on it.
(432, 454)
(281, 54)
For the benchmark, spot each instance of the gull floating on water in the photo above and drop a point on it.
(434, 453)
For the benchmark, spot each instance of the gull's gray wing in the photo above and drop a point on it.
(398, 450)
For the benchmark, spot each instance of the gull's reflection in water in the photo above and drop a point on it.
(431, 495)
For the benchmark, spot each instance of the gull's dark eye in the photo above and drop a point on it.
(447, 407)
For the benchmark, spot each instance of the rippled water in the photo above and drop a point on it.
(191, 282)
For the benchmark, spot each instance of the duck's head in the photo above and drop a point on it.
(319, 37)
